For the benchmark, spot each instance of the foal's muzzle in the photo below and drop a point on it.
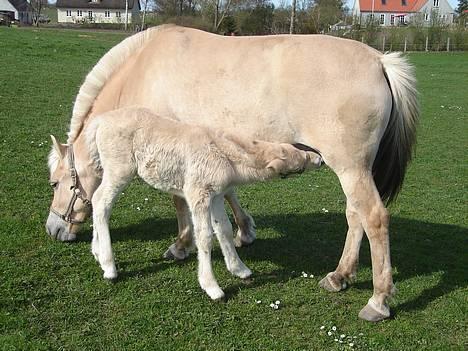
(57, 228)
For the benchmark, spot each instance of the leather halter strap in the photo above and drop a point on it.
(76, 191)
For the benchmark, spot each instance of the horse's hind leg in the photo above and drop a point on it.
(246, 232)
(345, 272)
(362, 195)
(184, 243)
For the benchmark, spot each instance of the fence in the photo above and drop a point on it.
(412, 39)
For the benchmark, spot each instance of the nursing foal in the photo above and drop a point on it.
(196, 163)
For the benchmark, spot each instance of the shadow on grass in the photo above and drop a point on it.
(314, 243)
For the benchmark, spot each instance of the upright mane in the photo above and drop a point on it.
(100, 74)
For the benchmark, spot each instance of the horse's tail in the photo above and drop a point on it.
(398, 142)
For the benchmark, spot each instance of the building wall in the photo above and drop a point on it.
(6, 6)
(444, 12)
(98, 16)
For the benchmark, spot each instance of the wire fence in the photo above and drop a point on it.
(412, 39)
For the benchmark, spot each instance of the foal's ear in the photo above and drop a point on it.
(60, 148)
(277, 165)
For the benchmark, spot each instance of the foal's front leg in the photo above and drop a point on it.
(199, 204)
(223, 230)
(101, 247)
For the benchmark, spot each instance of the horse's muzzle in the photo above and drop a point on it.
(57, 228)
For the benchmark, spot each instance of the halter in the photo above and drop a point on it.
(76, 189)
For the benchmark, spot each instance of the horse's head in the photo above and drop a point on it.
(73, 186)
(293, 160)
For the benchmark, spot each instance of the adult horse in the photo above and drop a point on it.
(354, 104)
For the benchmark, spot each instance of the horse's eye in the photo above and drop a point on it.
(53, 184)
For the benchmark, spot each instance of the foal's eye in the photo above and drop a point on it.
(53, 184)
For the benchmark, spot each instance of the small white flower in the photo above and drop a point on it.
(442, 106)
(311, 276)
(322, 327)
(258, 301)
(277, 302)
(272, 305)
(275, 307)
(138, 208)
(342, 336)
(324, 210)
(361, 334)
(304, 275)
(334, 328)
(336, 339)
(340, 341)
(351, 344)
(146, 199)
(329, 333)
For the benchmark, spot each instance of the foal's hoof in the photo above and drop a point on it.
(110, 275)
(333, 283)
(372, 313)
(216, 294)
(173, 253)
(245, 238)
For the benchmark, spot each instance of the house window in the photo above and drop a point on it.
(426, 17)
(90, 15)
(107, 14)
(384, 2)
(436, 3)
(402, 20)
(403, 2)
(392, 20)
(382, 18)
(68, 13)
(79, 13)
(117, 14)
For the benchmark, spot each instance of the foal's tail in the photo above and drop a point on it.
(398, 142)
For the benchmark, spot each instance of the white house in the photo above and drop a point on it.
(97, 11)
(401, 12)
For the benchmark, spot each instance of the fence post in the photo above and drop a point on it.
(362, 39)
(427, 43)
(383, 44)
(448, 43)
(404, 50)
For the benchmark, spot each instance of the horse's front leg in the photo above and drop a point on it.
(245, 223)
(184, 243)
(345, 272)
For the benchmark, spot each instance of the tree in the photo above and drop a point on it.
(324, 13)
(462, 6)
(36, 7)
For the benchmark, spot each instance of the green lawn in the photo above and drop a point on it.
(53, 296)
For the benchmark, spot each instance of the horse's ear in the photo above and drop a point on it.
(60, 148)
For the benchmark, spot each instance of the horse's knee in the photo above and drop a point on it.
(378, 221)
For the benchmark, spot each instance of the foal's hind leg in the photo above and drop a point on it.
(246, 232)
(184, 243)
(345, 273)
(362, 195)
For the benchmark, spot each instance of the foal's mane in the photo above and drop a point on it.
(100, 74)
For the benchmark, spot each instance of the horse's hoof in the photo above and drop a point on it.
(242, 273)
(216, 294)
(373, 313)
(110, 275)
(245, 238)
(175, 254)
(332, 284)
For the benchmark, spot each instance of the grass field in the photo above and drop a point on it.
(53, 296)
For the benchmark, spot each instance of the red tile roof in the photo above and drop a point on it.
(391, 5)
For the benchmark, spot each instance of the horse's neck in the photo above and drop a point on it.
(86, 165)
